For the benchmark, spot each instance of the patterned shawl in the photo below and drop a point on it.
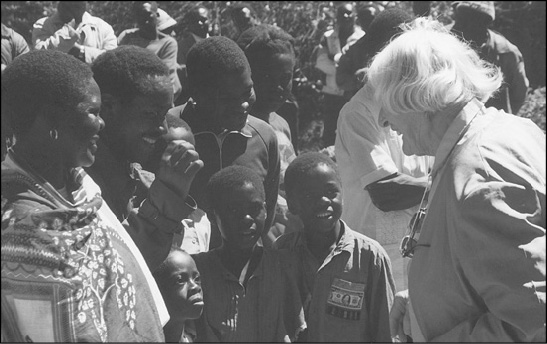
(69, 272)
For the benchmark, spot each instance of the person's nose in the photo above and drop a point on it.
(101, 123)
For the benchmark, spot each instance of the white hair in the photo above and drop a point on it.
(427, 68)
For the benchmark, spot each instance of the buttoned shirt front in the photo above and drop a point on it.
(347, 296)
(95, 34)
(265, 309)
(478, 272)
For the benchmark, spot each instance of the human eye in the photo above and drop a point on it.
(182, 279)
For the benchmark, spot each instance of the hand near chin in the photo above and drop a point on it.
(178, 166)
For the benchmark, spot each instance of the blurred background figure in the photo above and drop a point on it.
(366, 14)
(71, 29)
(147, 35)
(421, 8)
(243, 17)
(332, 44)
(166, 24)
(13, 45)
(350, 70)
(197, 26)
(472, 21)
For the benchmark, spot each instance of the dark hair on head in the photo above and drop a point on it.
(124, 72)
(300, 167)
(385, 26)
(231, 178)
(239, 7)
(212, 58)
(39, 80)
(262, 41)
(160, 273)
(193, 13)
(137, 5)
(367, 12)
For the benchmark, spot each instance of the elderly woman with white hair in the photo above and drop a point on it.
(478, 267)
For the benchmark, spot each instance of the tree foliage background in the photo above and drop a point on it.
(522, 22)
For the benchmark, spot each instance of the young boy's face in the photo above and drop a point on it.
(229, 104)
(272, 79)
(182, 290)
(317, 199)
(241, 216)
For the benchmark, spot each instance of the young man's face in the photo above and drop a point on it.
(200, 22)
(241, 216)
(272, 82)
(243, 19)
(228, 106)
(147, 17)
(317, 200)
(138, 125)
(181, 290)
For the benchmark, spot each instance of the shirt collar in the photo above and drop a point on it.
(455, 131)
(5, 31)
(190, 115)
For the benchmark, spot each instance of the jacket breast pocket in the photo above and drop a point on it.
(346, 299)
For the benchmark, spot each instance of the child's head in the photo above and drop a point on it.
(237, 198)
(180, 285)
(270, 52)
(314, 191)
(220, 82)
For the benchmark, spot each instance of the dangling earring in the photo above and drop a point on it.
(53, 134)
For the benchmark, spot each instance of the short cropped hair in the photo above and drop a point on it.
(386, 25)
(263, 41)
(160, 273)
(427, 69)
(39, 80)
(239, 7)
(212, 58)
(301, 166)
(124, 72)
(137, 6)
(231, 178)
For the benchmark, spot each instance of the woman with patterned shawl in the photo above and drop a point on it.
(70, 270)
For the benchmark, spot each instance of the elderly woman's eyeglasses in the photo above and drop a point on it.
(410, 240)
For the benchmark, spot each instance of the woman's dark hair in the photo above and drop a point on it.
(42, 79)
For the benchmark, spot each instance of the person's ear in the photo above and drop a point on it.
(109, 106)
(293, 204)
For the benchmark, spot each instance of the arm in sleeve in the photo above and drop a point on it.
(109, 42)
(500, 243)
(271, 184)
(360, 139)
(21, 46)
(345, 73)
(324, 63)
(515, 75)
(154, 223)
(60, 40)
(169, 57)
(382, 293)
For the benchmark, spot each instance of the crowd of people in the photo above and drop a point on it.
(152, 190)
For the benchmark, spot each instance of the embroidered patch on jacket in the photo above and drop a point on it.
(345, 299)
